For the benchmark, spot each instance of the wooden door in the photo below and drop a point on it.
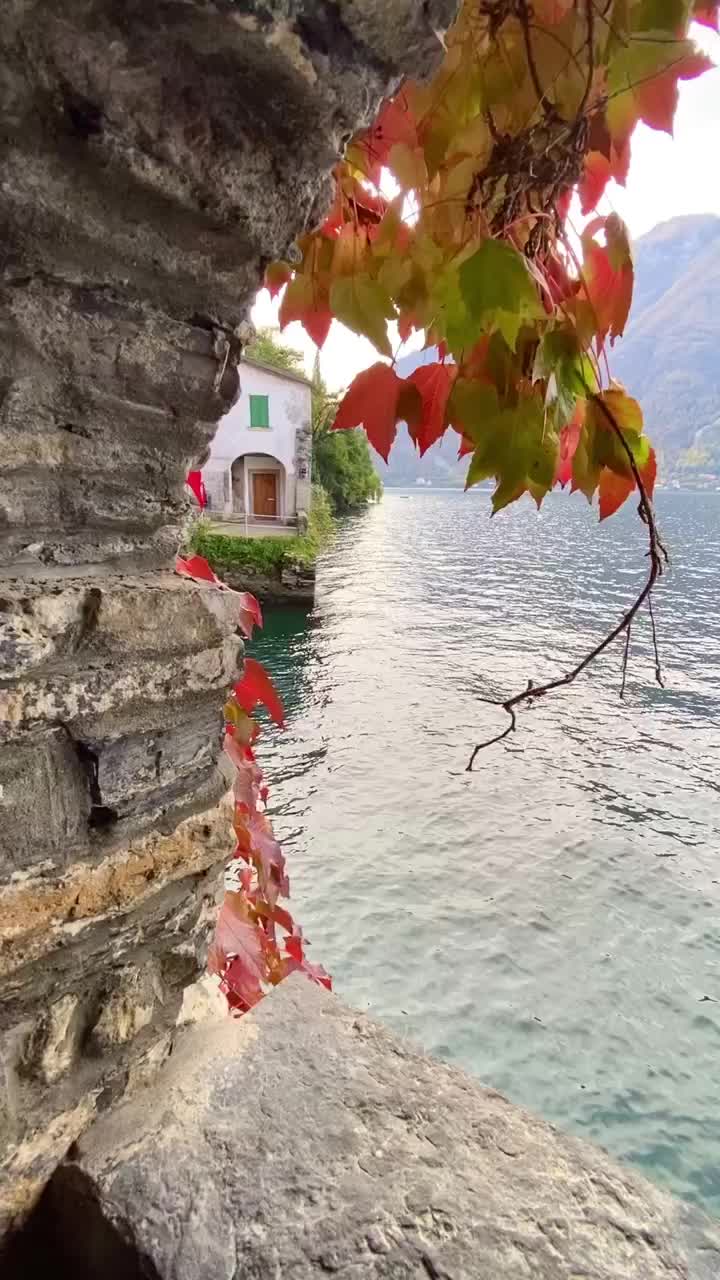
(264, 488)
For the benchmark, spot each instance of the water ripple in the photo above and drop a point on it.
(551, 922)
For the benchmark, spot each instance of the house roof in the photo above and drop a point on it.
(279, 373)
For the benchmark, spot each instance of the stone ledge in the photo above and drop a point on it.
(303, 1140)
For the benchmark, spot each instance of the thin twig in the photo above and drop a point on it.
(591, 55)
(626, 655)
(532, 65)
(658, 559)
(658, 668)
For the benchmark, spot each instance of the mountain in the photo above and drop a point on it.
(669, 359)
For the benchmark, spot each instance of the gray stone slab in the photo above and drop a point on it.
(303, 1140)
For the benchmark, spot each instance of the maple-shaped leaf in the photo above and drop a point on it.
(277, 275)
(613, 489)
(613, 427)
(607, 281)
(305, 300)
(250, 615)
(434, 383)
(196, 567)
(236, 953)
(642, 80)
(371, 401)
(568, 370)
(364, 306)
(394, 124)
(498, 290)
(515, 444)
(255, 687)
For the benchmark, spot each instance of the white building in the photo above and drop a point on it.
(259, 464)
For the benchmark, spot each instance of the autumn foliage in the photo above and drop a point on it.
(256, 942)
(452, 216)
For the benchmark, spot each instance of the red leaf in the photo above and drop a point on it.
(594, 180)
(569, 437)
(198, 568)
(237, 952)
(609, 290)
(194, 481)
(371, 401)
(250, 615)
(294, 947)
(394, 124)
(466, 446)
(434, 382)
(255, 686)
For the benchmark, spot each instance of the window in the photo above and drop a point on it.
(259, 412)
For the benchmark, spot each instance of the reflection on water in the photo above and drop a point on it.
(550, 922)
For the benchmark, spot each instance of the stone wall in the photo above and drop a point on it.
(154, 155)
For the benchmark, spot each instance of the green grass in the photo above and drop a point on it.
(267, 556)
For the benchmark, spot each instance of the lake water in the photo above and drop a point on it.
(550, 922)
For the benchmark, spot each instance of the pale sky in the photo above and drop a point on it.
(668, 177)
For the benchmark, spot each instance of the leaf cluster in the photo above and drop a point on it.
(532, 105)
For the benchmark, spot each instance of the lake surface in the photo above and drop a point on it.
(550, 922)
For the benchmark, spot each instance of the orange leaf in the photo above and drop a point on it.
(613, 489)
(277, 275)
(371, 401)
(306, 301)
(434, 382)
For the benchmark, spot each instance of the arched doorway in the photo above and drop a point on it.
(257, 484)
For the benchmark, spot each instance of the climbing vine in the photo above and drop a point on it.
(257, 943)
(454, 215)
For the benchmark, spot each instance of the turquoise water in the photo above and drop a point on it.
(550, 922)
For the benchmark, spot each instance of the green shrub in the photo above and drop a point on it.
(267, 556)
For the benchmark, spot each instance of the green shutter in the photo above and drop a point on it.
(259, 412)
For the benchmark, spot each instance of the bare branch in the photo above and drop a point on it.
(658, 559)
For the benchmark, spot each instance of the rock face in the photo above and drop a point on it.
(154, 156)
(302, 1140)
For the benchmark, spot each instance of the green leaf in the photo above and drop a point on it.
(364, 306)
(568, 370)
(599, 445)
(516, 445)
(451, 316)
(498, 290)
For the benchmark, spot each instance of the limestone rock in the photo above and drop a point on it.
(303, 1140)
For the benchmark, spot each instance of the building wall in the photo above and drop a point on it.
(262, 448)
